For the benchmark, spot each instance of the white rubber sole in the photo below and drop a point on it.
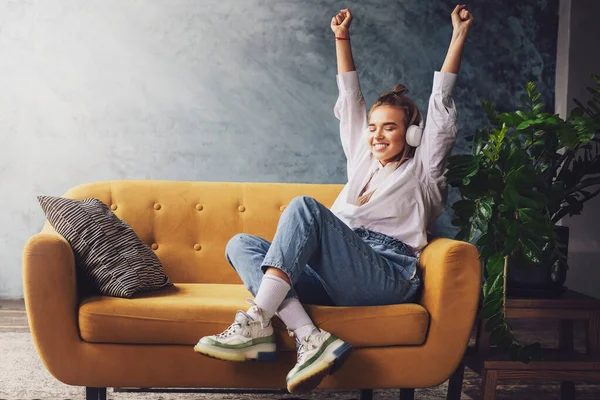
(328, 362)
(260, 352)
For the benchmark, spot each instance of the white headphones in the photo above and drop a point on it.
(415, 132)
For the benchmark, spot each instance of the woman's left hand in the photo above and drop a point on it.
(461, 19)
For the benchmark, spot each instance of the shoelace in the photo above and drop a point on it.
(302, 349)
(302, 344)
(261, 317)
(233, 327)
(229, 331)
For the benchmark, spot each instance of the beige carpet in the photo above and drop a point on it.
(23, 376)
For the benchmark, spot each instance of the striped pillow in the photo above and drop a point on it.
(106, 249)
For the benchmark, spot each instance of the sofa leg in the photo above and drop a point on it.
(366, 394)
(95, 393)
(455, 383)
(407, 394)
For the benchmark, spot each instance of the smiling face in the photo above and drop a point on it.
(387, 131)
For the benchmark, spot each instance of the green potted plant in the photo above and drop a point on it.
(527, 169)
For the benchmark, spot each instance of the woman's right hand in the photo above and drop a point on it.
(340, 24)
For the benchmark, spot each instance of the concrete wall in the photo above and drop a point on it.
(228, 90)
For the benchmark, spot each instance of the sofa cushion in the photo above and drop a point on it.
(183, 313)
(107, 250)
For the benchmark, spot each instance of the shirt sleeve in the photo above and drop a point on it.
(439, 135)
(351, 110)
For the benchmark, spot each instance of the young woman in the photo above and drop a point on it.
(364, 251)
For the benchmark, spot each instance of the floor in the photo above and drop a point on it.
(13, 317)
(17, 353)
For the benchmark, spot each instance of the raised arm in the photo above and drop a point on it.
(441, 128)
(350, 106)
(461, 22)
(340, 25)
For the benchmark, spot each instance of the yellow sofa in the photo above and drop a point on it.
(147, 341)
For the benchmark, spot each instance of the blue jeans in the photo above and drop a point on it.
(327, 262)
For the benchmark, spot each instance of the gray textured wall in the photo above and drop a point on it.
(223, 90)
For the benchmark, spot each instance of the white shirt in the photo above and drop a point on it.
(380, 174)
(409, 200)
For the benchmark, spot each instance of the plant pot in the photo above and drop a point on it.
(540, 281)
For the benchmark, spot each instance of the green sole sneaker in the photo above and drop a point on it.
(245, 339)
(325, 362)
(257, 352)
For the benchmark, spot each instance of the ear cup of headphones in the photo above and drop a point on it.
(413, 135)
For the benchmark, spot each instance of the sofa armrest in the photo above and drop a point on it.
(451, 289)
(50, 289)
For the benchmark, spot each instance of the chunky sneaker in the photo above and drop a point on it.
(245, 339)
(319, 354)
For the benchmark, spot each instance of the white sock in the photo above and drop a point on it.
(295, 317)
(271, 292)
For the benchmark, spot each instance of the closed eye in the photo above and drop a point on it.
(387, 130)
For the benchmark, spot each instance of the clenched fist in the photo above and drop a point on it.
(340, 24)
(461, 19)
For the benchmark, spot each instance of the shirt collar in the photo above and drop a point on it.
(389, 166)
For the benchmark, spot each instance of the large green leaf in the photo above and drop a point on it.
(491, 156)
(484, 209)
(517, 158)
(491, 307)
(518, 194)
(577, 112)
(553, 120)
(494, 321)
(477, 144)
(522, 115)
(534, 223)
(522, 177)
(568, 135)
(461, 168)
(482, 240)
(498, 333)
(530, 250)
(461, 234)
(490, 110)
(535, 231)
(510, 119)
(464, 209)
(531, 90)
(531, 215)
(459, 159)
(512, 236)
(525, 124)
(506, 341)
(495, 265)
(492, 283)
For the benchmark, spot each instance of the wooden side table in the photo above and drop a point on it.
(562, 364)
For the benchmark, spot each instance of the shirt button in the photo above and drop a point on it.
(282, 208)
(199, 207)
(154, 246)
(241, 208)
(197, 247)
(113, 207)
(157, 206)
